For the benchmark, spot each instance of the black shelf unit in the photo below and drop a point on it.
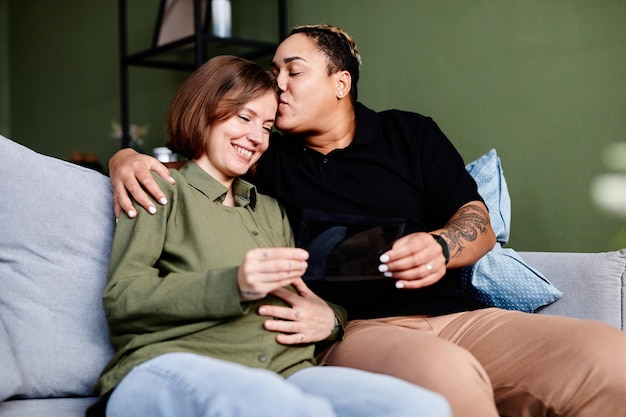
(184, 54)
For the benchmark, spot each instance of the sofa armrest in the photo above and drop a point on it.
(592, 284)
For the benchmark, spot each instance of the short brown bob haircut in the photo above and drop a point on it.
(216, 91)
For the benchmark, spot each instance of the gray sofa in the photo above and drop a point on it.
(57, 222)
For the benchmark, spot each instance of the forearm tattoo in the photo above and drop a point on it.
(465, 227)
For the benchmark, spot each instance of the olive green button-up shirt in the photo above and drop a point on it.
(172, 283)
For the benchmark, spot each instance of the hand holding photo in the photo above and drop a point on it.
(346, 247)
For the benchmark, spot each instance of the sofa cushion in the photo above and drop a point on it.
(502, 278)
(11, 379)
(58, 222)
(49, 407)
(593, 284)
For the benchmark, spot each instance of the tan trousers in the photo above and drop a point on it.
(496, 362)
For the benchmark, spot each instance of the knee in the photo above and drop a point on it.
(414, 400)
(161, 379)
(185, 382)
(595, 348)
(602, 357)
(356, 392)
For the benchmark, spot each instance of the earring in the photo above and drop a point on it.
(341, 94)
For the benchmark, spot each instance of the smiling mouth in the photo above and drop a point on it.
(245, 152)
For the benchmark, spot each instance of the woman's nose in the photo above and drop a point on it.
(281, 81)
(256, 135)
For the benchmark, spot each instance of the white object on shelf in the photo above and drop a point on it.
(221, 15)
(164, 154)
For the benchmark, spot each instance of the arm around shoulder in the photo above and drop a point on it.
(130, 175)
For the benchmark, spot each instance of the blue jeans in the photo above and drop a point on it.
(190, 385)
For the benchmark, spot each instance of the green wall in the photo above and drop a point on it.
(4, 68)
(65, 75)
(542, 82)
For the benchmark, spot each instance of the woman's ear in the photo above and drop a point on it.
(344, 82)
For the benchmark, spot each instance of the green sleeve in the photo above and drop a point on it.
(137, 299)
(342, 316)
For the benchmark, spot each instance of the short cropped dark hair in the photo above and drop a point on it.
(339, 48)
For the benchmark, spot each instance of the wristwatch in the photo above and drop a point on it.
(444, 246)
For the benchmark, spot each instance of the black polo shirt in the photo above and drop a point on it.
(399, 165)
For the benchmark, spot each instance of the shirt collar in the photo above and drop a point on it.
(245, 193)
(368, 128)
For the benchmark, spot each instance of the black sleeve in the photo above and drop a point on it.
(447, 183)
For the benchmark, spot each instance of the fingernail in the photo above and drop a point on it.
(383, 268)
(163, 201)
(399, 285)
(152, 210)
(172, 179)
(131, 213)
(388, 274)
(261, 310)
(117, 219)
(384, 258)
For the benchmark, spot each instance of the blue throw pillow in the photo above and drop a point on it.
(501, 278)
(487, 172)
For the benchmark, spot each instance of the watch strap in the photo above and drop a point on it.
(444, 246)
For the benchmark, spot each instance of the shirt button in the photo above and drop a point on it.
(254, 233)
(325, 160)
(262, 358)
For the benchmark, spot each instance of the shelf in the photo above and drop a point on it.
(180, 55)
(188, 53)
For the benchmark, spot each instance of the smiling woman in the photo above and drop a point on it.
(233, 145)
(221, 119)
(214, 93)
